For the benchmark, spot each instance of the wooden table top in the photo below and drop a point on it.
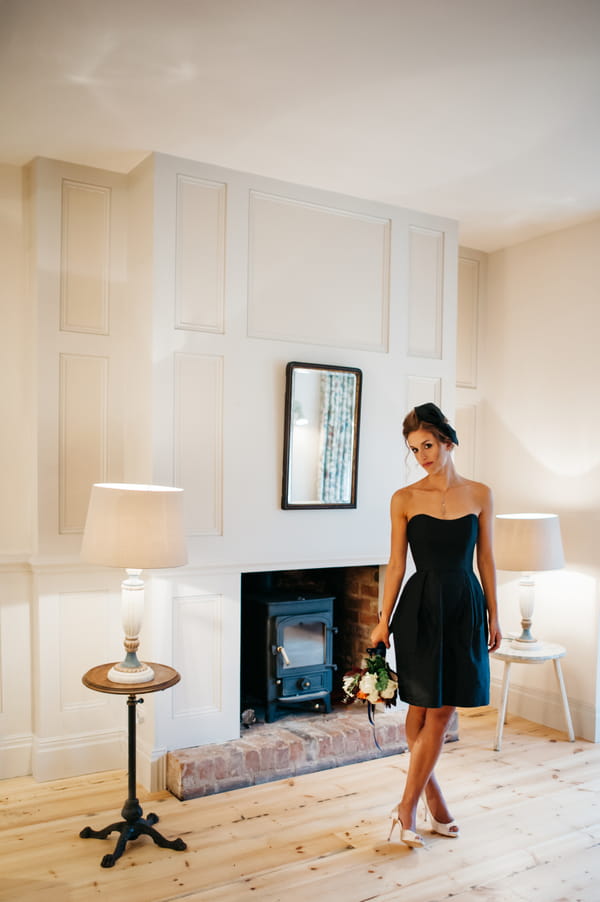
(97, 679)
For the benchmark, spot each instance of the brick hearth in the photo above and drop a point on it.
(301, 743)
(295, 744)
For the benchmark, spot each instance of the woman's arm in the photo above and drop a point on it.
(487, 567)
(395, 569)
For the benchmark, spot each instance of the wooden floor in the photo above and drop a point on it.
(529, 815)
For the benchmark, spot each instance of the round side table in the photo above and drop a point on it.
(133, 823)
(545, 651)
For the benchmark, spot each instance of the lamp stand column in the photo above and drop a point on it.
(134, 824)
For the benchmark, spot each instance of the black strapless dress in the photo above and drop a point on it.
(440, 622)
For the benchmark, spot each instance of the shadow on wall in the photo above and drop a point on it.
(516, 466)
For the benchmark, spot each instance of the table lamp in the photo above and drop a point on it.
(527, 543)
(137, 527)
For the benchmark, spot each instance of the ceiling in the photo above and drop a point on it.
(484, 111)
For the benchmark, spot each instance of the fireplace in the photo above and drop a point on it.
(301, 630)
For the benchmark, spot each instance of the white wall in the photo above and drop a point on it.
(167, 304)
(538, 446)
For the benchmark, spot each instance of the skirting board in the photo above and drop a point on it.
(547, 708)
(15, 757)
(72, 756)
(151, 766)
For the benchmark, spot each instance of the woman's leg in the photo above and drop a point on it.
(415, 719)
(425, 732)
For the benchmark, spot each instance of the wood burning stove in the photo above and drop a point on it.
(287, 653)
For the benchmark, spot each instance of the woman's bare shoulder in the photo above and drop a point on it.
(481, 492)
(401, 499)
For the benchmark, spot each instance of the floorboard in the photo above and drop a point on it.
(529, 817)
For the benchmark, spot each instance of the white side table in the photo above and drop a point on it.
(545, 651)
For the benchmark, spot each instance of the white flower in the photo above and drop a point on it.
(349, 683)
(368, 685)
(390, 689)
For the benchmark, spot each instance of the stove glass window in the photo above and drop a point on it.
(304, 643)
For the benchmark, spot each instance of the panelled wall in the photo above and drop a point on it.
(169, 302)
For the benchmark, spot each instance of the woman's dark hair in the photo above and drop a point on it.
(430, 418)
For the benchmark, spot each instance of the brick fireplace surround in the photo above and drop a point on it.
(302, 742)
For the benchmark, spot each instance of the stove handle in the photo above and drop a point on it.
(283, 654)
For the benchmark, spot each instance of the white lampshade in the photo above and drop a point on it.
(137, 527)
(528, 542)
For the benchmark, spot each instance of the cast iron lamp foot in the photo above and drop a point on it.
(131, 829)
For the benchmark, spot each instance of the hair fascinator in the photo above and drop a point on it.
(431, 413)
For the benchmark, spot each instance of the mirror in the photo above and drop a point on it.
(320, 451)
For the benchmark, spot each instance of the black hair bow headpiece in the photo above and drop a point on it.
(430, 413)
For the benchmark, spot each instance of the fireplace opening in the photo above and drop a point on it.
(301, 631)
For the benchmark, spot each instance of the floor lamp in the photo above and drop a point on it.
(135, 527)
(527, 543)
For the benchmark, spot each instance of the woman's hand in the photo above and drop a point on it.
(494, 635)
(381, 633)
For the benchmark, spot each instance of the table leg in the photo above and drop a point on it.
(502, 710)
(133, 824)
(565, 700)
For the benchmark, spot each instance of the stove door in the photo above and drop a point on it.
(303, 655)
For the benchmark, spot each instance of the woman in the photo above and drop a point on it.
(444, 626)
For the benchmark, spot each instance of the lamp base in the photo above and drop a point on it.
(122, 674)
(525, 644)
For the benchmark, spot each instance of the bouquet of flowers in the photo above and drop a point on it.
(373, 681)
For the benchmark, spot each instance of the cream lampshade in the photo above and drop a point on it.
(136, 527)
(527, 543)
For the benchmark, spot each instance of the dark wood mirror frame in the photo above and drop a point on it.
(320, 464)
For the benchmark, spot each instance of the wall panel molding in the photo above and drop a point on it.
(425, 292)
(83, 435)
(468, 320)
(85, 257)
(84, 636)
(466, 428)
(194, 618)
(200, 255)
(198, 440)
(422, 389)
(317, 275)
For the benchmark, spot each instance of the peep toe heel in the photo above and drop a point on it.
(451, 829)
(408, 837)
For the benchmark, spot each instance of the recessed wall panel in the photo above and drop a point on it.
(85, 258)
(83, 642)
(425, 292)
(422, 389)
(464, 455)
(317, 275)
(200, 255)
(199, 440)
(466, 339)
(198, 624)
(83, 392)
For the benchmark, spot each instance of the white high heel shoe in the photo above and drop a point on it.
(450, 829)
(408, 837)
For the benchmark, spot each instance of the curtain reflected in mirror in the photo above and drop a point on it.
(322, 418)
